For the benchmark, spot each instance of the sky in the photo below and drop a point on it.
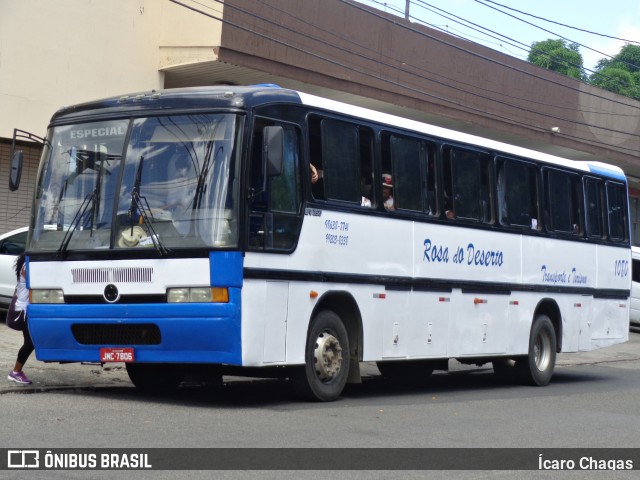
(615, 18)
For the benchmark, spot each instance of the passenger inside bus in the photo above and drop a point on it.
(181, 195)
(448, 204)
(387, 192)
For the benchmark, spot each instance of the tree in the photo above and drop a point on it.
(627, 59)
(617, 80)
(621, 73)
(559, 56)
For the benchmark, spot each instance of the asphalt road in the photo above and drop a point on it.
(588, 404)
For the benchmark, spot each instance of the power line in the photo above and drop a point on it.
(562, 24)
(549, 31)
(511, 67)
(559, 60)
(406, 87)
(446, 79)
(403, 86)
(499, 36)
(562, 61)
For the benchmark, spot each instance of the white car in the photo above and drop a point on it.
(634, 314)
(12, 244)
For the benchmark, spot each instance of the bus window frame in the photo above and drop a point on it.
(426, 152)
(364, 130)
(624, 209)
(486, 162)
(604, 221)
(500, 161)
(577, 230)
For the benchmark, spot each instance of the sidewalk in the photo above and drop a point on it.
(52, 376)
(48, 376)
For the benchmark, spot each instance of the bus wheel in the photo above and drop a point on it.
(155, 376)
(537, 367)
(406, 371)
(326, 368)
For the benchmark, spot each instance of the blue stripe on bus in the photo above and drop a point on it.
(226, 269)
(605, 172)
(190, 332)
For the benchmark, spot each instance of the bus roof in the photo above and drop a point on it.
(247, 97)
(599, 168)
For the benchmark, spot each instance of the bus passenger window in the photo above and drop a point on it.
(404, 158)
(563, 202)
(340, 160)
(432, 203)
(593, 199)
(315, 160)
(616, 209)
(470, 196)
(342, 154)
(517, 194)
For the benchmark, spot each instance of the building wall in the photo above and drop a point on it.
(71, 51)
(62, 52)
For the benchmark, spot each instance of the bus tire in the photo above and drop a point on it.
(326, 368)
(406, 371)
(536, 368)
(155, 376)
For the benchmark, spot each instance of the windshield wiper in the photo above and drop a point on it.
(138, 205)
(84, 159)
(90, 199)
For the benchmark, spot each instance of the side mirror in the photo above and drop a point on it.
(272, 150)
(16, 171)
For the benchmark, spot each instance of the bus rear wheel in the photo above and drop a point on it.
(326, 368)
(537, 367)
(155, 376)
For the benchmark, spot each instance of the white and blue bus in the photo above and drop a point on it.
(259, 229)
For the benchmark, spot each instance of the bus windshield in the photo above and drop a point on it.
(165, 182)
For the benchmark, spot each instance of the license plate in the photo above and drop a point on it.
(116, 355)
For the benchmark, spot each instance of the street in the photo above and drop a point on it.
(586, 405)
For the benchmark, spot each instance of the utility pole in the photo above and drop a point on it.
(406, 9)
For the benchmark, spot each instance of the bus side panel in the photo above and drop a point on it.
(558, 264)
(609, 323)
(264, 322)
(458, 254)
(429, 324)
(481, 324)
(610, 316)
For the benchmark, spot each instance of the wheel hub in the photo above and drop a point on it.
(541, 351)
(327, 356)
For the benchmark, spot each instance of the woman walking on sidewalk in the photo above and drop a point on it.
(22, 300)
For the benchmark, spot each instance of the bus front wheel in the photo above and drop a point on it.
(326, 368)
(537, 367)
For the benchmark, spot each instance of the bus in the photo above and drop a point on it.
(260, 230)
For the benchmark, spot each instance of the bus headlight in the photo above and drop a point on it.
(177, 295)
(46, 296)
(198, 295)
